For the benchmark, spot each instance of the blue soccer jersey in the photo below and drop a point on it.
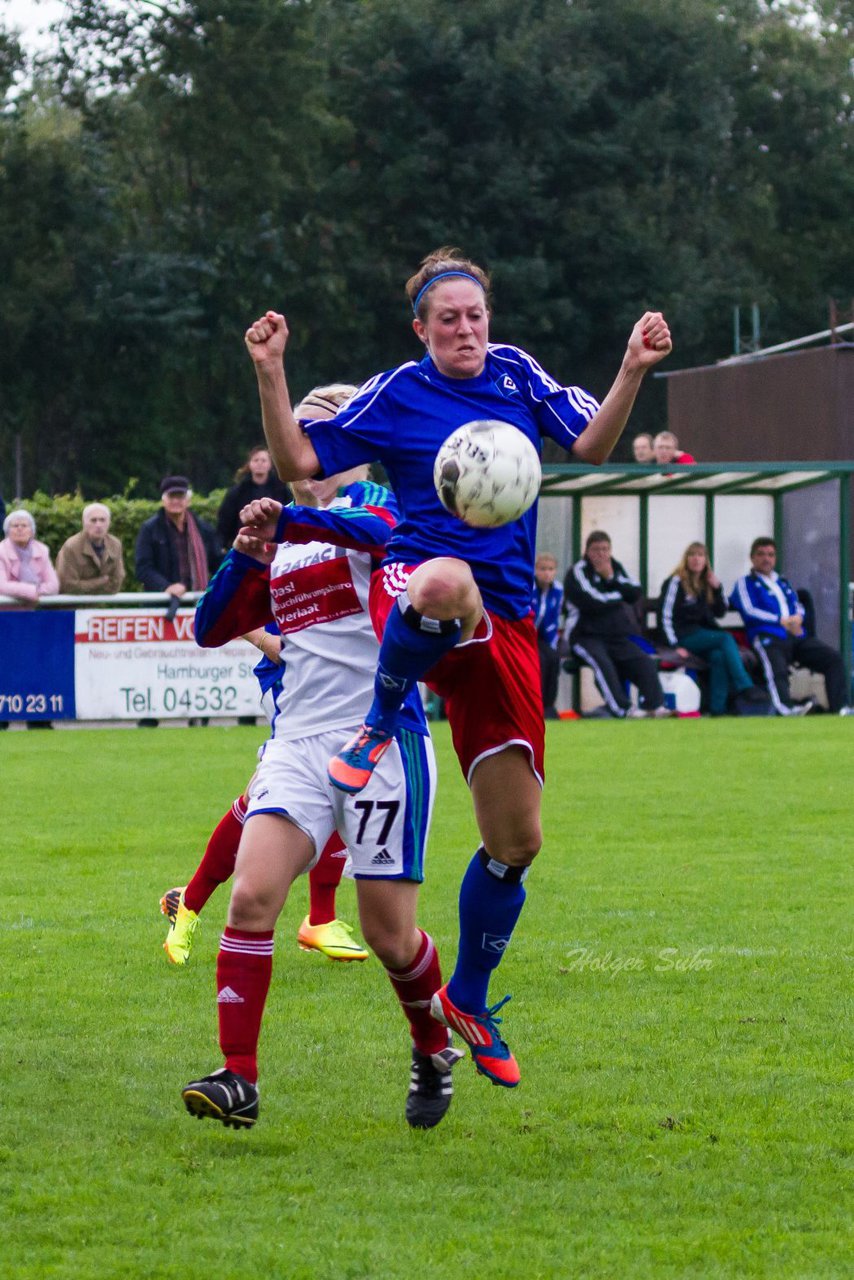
(403, 416)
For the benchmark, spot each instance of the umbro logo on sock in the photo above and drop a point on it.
(491, 942)
(382, 859)
(390, 682)
(227, 996)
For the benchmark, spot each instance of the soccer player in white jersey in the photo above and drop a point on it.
(321, 930)
(454, 605)
(315, 587)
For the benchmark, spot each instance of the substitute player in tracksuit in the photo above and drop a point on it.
(317, 593)
(598, 593)
(547, 604)
(774, 620)
(453, 605)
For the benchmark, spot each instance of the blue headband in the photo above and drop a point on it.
(443, 275)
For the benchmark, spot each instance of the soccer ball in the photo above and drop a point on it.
(487, 473)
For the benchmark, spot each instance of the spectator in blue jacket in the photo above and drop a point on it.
(774, 619)
(547, 604)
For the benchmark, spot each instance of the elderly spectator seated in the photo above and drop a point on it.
(547, 605)
(692, 601)
(26, 571)
(666, 450)
(600, 595)
(91, 562)
(774, 621)
(176, 552)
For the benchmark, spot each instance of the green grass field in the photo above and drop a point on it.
(681, 979)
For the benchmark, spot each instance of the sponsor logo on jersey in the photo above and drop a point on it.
(322, 591)
(315, 557)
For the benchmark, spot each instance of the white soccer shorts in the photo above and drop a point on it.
(385, 826)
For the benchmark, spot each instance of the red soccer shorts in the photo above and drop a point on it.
(491, 684)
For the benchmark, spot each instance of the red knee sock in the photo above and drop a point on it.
(243, 970)
(217, 864)
(414, 986)
(324, 879)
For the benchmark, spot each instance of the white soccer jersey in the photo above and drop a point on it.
(327, 674)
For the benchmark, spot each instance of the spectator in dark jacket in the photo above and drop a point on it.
(255, 479)
(547, 604)
(692, 599)
(175, 551)
(599, 594)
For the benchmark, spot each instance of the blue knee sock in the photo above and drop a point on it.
(490, 905)
(410, 646)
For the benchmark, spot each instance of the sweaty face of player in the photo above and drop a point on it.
(319, 493)
(455, 330)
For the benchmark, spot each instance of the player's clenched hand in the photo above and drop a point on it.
(650, 339)
(258, 548)
(260, 517)
(267, 338)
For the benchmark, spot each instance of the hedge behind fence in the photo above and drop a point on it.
(57, 518)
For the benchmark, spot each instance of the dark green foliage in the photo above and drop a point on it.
(176, 170)
(58, 517)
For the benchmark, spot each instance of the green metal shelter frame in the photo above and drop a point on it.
(570, 480)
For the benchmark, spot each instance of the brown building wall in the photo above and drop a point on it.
(793, 407)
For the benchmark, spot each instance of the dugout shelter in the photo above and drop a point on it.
(652, 513)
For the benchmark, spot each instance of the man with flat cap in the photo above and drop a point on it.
(176, 552)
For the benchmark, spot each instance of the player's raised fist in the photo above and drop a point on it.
(650, 339)
(267, 338)
(260, 517)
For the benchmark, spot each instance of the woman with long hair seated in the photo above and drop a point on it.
(692, 600)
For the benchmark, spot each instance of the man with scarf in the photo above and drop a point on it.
(176, 552)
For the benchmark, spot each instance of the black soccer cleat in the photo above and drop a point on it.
(430, 1087)
(224, 1096)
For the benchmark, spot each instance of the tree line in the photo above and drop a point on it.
(175, 169)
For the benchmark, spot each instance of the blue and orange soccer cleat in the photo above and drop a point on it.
(350, 770)
(491, 1055)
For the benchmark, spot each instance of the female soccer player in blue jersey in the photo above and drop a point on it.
(453, 605)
